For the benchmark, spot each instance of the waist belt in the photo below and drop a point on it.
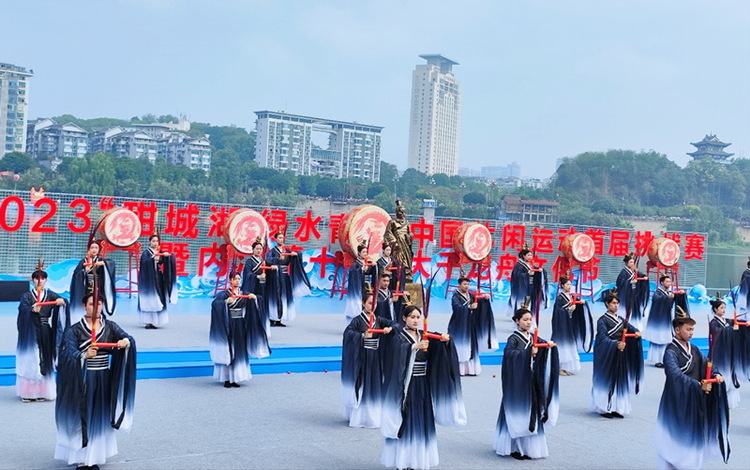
(100, 362)
(372, 343)
(419, 369)
(236, 312)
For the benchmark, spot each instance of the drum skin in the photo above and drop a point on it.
(365, 224)
(120, 227)
(473, 240)
(665, 251)
(244, 227)
(578, 246)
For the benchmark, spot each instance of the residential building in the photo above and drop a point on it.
(435, 117)
(50, 142)
(123, 142)
(181, 149)
(14, 95)
(285, 142)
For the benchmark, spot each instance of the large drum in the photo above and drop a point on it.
(244, 227)
(366, 225)
(473, 240)
(120, 227)
(578, 246)
(665, 251)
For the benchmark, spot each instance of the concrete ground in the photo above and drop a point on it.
(294, 421)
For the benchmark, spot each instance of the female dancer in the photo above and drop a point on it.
(424, 388)
(572, 328)
(237, 331)
(157, 285)
(530, 389)
(92, 267)
(359, 272)
(726, 349)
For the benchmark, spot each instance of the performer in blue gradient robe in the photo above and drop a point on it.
(728, 349)
(359, 273)
(530, 393)
(285, 283)
(572, 328)
(526, 281)
(618, 366)
(385, 306)
(471, 327)
(82, 282)
(659, 326)
(237, 330)
(423, 387)
(385, 264)
(95, 389)
(362, 357)
(254, 281)
(633, 290)
(157, 285)
(743, 290)
(693, 420)
(40, 329)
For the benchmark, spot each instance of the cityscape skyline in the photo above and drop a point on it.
(538, 82)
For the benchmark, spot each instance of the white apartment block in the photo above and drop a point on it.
(50, 142)
(285, 142)
(180, 149)
(435, 117)
(14, 92)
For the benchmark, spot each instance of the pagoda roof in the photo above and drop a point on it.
(710, 153)
(709, 139)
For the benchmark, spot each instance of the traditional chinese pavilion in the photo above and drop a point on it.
(711, 147)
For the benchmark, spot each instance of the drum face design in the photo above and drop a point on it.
(665, 251)
(366, 225)
(578, 246)
(473, 240)
(120, 227)
(244, 227)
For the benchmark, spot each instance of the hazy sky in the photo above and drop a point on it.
(539, 80)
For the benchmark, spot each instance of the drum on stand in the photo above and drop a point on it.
(364, 225)
(244, 227)
(579, 247)
(474, 240)
(665, 251)
(120, 227)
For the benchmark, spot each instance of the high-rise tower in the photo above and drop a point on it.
(435, 117)
(14, 89)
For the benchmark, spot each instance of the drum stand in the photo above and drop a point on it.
(478, 269)
(583, 285)
(134, 252)
(339, 284)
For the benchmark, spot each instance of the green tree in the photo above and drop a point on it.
(17, 162)
(475, 197)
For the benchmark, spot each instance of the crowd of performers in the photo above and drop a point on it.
(396, 374)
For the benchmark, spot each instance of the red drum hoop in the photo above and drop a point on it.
(665, 251)
(244, 227)
(473, 240)
(362, 225)
(578, 246)
(120, 227)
